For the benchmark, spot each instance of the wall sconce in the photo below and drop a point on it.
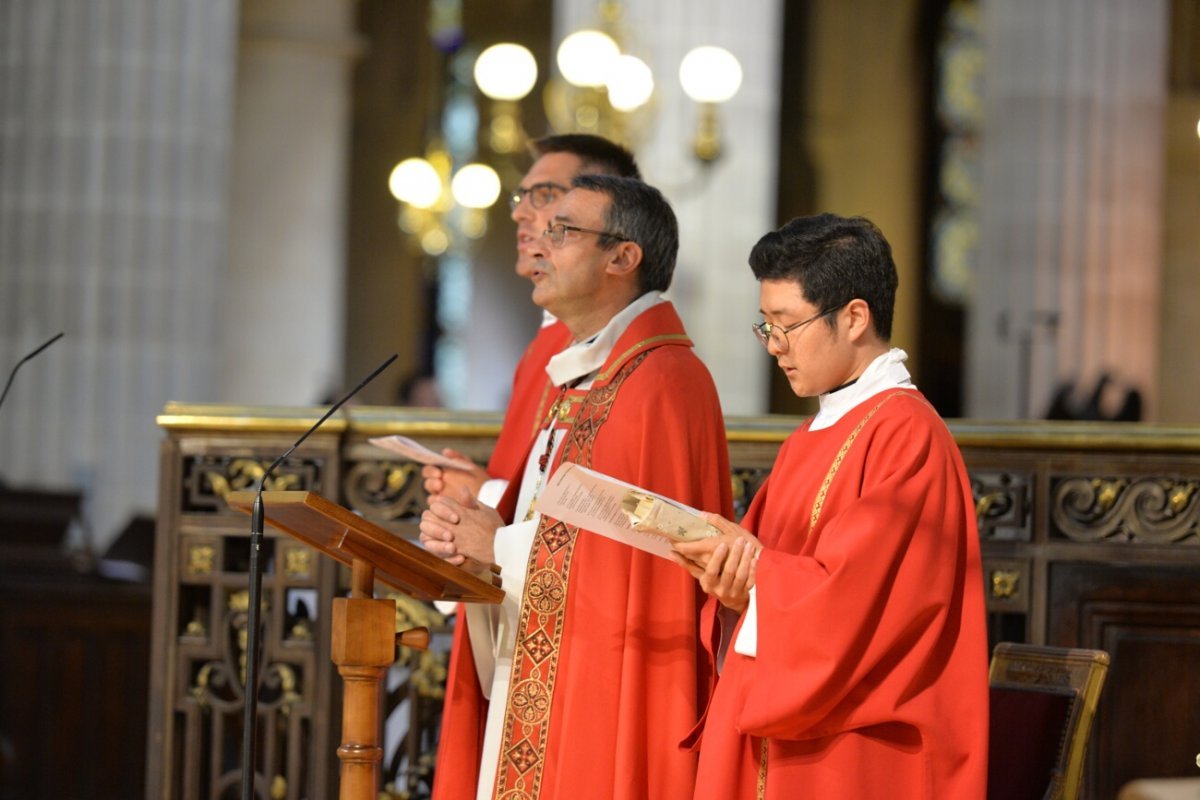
(435, 206)
(506, 73)
(602, 90)
(710, 76)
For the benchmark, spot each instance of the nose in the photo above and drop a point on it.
(523, 211)
(774, 348)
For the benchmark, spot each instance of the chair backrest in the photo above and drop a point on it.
(1043, 701)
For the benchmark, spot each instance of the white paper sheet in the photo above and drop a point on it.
(415, 451)
(592, 501)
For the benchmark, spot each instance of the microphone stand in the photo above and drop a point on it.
(13, 374)
(249, 721)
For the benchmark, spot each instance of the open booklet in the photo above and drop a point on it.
(415, 451)
(621, 511)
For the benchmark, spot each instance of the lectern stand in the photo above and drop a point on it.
(364, 629)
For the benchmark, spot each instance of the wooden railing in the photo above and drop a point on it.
(1089, 533)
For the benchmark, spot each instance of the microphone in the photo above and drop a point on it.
(13, 374)
(249, 723)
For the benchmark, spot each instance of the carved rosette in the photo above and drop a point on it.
(1135, 510)
(1002, 505)
(385, 490)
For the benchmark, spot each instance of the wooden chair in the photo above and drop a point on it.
(1043, 701)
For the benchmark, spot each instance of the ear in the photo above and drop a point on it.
(624, 258)
(861, 324)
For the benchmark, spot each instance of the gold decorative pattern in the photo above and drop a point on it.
(1005, 583)
(1154, 511)
(530, 699)
(1002, 505)
(208, 479)
(385, 490)
(818, 506)
(297, 562)
(545, 589)
(819, 503)
(761, 789)
(201, 559)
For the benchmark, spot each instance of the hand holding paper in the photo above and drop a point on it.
(724, 564)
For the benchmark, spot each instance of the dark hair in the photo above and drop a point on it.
(834, 260)
(599, 155)
(641, 214)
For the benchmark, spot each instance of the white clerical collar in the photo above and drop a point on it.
(548, 319)
(885, 372)
(583, 358)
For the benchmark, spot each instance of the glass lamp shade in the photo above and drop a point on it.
(585, 58)
(475, 186)
(505, 71)
(710, 74)
(416, 182)
(630, 83)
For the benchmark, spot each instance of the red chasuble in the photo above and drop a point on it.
(609, 672)
(529, 390)
(870, 679)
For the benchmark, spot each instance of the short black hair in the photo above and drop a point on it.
(834, 260)
(640, 213)
(598, 154)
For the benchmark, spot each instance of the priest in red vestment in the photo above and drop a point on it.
(583, 681)
(847, 609)
(557, 159)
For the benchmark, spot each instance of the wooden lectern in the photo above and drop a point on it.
(364, 628)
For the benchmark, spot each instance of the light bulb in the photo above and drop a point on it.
(586, 57)
(416, 182)
(710, 74)
(476, 186)
(630, 84)
(505, 71)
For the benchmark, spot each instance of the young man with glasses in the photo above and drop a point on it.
(583, 680)
(847, 608)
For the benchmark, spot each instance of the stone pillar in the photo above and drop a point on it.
(283, 296)
(113, 164)
(1071, 223)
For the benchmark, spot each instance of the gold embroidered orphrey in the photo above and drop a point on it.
(818, 504)
(543, 613)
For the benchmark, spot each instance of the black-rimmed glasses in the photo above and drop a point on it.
(557, 233)
(540, 194)
(767, 332)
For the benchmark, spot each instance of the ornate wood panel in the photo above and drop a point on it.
(1089, 531)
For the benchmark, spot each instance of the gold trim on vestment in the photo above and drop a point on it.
(818, 505)
(653, 340)
(540, 625)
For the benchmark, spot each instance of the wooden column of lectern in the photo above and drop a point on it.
(364, 629)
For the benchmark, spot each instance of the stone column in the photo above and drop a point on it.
(114, 145)
(283, 322)
(1070, 249)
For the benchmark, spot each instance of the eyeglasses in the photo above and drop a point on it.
(766, 332)
(540, 194)
(557, 232)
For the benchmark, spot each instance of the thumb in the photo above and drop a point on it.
(466, 498)
(721, 524)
